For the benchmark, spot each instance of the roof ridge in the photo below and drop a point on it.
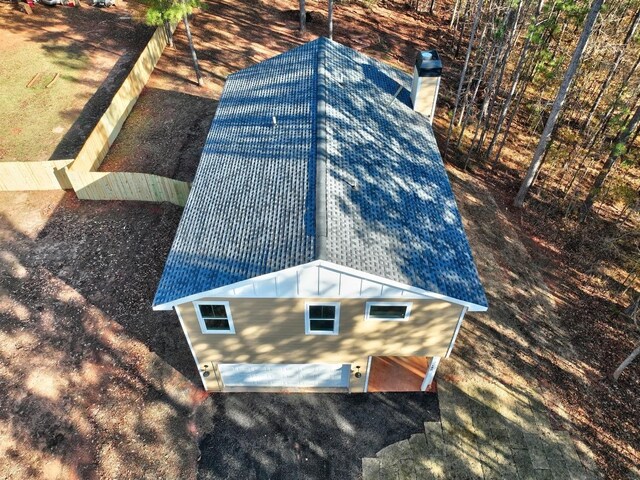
(321, 155)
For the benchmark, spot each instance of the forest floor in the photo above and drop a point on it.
(60, 67)
(97, 385)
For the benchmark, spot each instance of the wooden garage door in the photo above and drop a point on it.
(279, 375)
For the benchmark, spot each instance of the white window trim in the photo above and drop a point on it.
(307, 322)
(203, 326)
(407, 313)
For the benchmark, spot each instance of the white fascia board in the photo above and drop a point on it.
(472, 307)
(243, 283)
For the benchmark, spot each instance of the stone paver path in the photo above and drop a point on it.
(486, 432)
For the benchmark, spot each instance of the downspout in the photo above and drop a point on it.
(456, 331)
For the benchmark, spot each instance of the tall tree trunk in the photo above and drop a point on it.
(494, 84)
(514, 113)
(626, 363)
(463, 26)
(465, 115)
(303, 17)
(619, 146)
(432, 6)
(595, 136)
(474, 28)
(514, 85)
(194, 57)
(472, 77)
(632, 311)
(167, 29)
(612, 71)
(330, 19)
(454, 14)
(536, 163)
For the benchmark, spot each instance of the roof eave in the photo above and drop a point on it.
(472, 307)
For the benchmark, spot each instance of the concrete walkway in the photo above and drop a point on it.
(486, 432)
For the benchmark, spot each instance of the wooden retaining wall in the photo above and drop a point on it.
(47, 175)
(128, 186)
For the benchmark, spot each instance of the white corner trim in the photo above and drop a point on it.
(203, 326)
(193, 352)
(307, 319)
(431, 373)
(366, 377)
(407, 312)
(455, 332)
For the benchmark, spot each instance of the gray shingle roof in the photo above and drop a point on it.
(254, 208)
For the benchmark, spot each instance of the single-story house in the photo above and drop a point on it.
(321, 229)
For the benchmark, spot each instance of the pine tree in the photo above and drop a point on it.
(166, 12)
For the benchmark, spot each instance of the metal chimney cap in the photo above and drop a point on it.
(428, 64)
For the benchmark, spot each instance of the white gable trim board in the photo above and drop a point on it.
(319, 279)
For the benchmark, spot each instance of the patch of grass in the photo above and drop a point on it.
(44, 110)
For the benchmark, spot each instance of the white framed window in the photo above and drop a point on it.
(387, 311)
(214, 317)
(321, 318)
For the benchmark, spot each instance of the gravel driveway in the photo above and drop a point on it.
(307, 436)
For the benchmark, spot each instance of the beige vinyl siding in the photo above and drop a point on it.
(271, 330)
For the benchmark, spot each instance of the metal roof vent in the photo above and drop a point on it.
(426, 82)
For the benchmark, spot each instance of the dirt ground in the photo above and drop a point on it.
(532, 333)
(59, 69)
(95, 384)
(98, 386)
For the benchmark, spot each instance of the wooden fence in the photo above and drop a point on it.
(109, 125)
(79, 173)
(128, 186)
(48, 175)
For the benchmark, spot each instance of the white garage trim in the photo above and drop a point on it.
(285, 375)
(366, 378)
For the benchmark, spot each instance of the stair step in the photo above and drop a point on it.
(396, 452)
(435, 438)
(370, 469)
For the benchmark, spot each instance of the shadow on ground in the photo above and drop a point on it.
(95, 384)
(298, 436)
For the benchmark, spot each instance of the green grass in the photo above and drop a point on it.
(33, 120)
